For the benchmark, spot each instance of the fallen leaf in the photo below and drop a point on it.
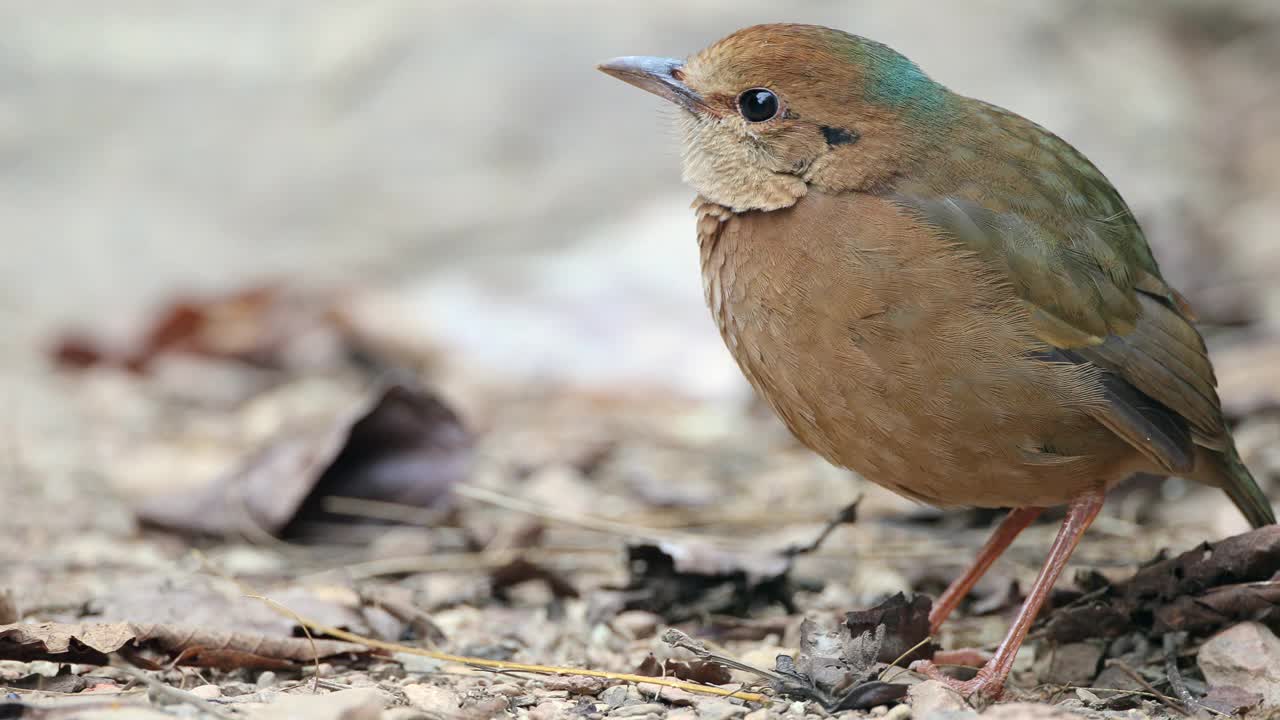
(906, 626)
(1221, 606)
(206, 602)
(650, 667)
(707, 672)
(91, 643)
(405, 447)
(64, 681)
(521, 570)
(836, 668)
(682, 581)
(1200, 591)
(264, 326)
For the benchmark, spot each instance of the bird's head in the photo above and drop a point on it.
(772, 110)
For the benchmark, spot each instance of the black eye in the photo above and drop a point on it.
(758, 105)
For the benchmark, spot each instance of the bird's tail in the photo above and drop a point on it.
(1236, 480)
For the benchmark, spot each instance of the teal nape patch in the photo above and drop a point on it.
(895, 81)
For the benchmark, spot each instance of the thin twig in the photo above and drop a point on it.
(504, 665)
(250, 593)
(585, 522)
(847, 516)
(315, 653)
(170, 692)
(1136, 676)
(928, 639)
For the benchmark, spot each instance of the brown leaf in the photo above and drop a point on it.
(91, 643)
(837, 668)
(681, 581)
(201, 601)
(707, 672)
(264, 326)
(1201, 591)
(650, 667)
(1221, 606)
(906, 626)
(405, 446)
(521, 570)
(64, 681)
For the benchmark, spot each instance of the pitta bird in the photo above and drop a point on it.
(937, 293)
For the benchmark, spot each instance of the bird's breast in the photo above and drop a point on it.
(889, 350)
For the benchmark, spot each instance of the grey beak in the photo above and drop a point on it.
(658, 75)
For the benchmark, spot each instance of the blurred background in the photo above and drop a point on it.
(452, 187)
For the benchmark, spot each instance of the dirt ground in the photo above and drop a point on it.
(229, 229)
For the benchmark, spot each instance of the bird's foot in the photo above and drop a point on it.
(986, 685)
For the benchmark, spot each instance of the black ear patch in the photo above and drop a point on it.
(839, 136)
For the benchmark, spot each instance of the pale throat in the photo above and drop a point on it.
(732, 173)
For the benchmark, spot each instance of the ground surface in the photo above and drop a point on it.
(495, 221)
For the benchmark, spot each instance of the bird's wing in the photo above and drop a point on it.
(1094, 295)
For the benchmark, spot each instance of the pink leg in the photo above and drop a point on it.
(989, 682)
(1013, 524)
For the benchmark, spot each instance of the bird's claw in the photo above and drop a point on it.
(985, 685)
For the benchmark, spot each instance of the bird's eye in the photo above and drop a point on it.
(758, 105)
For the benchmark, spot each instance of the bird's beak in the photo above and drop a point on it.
(658, 75)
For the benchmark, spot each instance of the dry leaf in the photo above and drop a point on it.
(91, 643)
(405, 446)
(906, 625)
(680, 581)
(263, 326)
(521, 570)
(707, 672)
(1201, 590)
(837, 668)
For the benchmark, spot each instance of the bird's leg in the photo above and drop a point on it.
(1013, 524)
(989, 682)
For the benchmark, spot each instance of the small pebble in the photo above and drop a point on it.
(208, 692)
(550, 710)
(620, 695)
(638, 710)
(637, 623)
(717, 709)
(898, 712)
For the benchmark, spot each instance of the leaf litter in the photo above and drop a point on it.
(515, 615)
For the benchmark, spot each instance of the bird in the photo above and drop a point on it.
(937, 293)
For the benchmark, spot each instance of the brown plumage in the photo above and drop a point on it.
(935, 292)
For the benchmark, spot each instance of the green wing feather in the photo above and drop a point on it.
(1070, 248)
